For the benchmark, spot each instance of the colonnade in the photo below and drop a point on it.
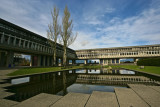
(7, 60)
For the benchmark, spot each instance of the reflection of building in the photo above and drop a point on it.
(51, 83)
(58, 82)
(113, 79)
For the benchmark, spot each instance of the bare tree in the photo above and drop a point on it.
(67, 37)
(53, 32)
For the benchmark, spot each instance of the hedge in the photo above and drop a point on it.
(149, 62)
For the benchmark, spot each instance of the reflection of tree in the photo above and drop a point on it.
(51, 83)
(64, 84)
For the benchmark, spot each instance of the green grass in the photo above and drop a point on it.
(26, 71)
(148, 69)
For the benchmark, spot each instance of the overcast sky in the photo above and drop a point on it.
(99, 23)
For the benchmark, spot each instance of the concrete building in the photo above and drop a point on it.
(15, 39)
(113, 55)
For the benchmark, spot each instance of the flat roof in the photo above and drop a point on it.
(118, 47)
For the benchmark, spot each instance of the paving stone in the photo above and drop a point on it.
(4, 94)
(41, 100)
(151, 96)
(157, 88)
(7, 103)
(72, 100)
(128, 98)
(102, 99)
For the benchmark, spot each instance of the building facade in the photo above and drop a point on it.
(15, 39)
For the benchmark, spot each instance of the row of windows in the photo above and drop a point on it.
(119, 54)
(11, 40)
(123, 49)
(37, 39)
(23, 33)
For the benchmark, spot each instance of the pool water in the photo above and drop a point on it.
(79, 81)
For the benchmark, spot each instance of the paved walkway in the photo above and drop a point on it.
(148, 94)
(135, 96)
(3, 93)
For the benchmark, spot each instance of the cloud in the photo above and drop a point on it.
(109, 10)
(99, 24)
(32, 15)
(142, 29)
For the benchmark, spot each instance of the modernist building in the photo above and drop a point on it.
(15, 39)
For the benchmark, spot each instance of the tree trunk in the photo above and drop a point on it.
(64, 56)
(54, 56)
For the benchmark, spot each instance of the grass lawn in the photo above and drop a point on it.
(25, 71)
(149, 69)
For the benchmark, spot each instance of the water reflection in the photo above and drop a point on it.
(20, 80)
(81, 80)
(88, 88)
(126, 72)
(105, 71)
(51, 83)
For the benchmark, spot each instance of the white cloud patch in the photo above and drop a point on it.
(32, 15)
(94, 31)
(143, 29)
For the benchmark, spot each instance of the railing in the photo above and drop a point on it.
(11, 41)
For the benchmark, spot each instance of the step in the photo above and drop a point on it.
(149, 95)
(102, 99)
(72, 100)
(128, 98)
(40, 100)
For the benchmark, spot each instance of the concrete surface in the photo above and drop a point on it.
(41, 100)
(149, 95)
(102, 99)
(128, 98)
(72, 100)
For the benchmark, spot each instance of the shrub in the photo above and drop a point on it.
(149, 62)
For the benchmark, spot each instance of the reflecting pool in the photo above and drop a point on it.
(78, 80)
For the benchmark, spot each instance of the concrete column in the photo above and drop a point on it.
(44, 60)
(101, 61)
(32, 46)
(10, 58)
(9, 38)
(24, 44)
(106, 61)
(14, 42)
(31, 63)
(2, 38)
(28, 44)
(2, 59)
(39, 61)
(48, 60)
(86, 61)
(20, 42)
